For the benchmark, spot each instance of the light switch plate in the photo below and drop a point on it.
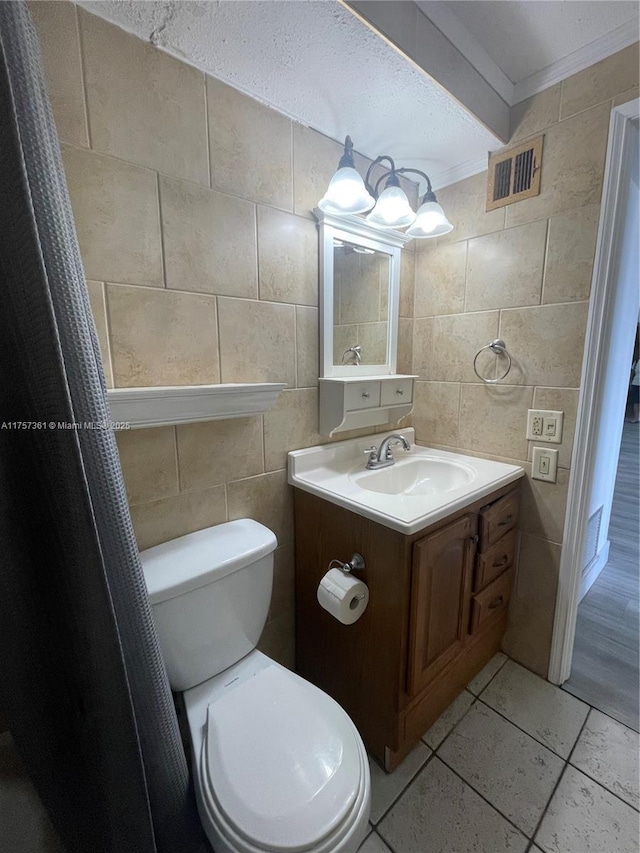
(545, 426)
(545, 464)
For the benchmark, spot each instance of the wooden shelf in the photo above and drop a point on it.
(183, 404)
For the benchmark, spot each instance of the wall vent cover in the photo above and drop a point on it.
(514, 173)
(591, 539)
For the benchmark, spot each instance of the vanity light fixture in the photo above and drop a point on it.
(348, 193)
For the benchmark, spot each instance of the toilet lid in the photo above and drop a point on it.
(282, 762)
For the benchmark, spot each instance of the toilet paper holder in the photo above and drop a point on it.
(355, 564)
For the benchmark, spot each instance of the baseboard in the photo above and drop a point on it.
(590, 574)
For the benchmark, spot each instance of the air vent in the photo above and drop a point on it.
(514, 174)
(592, 534)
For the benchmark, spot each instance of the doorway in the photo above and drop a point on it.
(605, 670)
(591, 525)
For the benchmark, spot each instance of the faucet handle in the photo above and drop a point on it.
(372, 453)
(393, 441)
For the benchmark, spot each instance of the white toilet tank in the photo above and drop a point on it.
(210, 593)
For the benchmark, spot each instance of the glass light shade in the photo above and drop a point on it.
(392, 210)
(346, 193)
(430, 221)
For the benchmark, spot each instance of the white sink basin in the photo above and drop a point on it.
(416, 475)
(423, 486)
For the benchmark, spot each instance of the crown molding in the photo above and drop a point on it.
(455, 31)
(595, 51)
(459, 172)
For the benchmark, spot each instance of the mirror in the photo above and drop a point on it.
(360, 304)
(359, 284)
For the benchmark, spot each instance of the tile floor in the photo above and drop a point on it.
(514, 765)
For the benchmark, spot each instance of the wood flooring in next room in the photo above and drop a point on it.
(606, 658)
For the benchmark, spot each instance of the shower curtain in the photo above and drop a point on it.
(83, 687)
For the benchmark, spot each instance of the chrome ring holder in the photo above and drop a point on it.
(356, 353)
(499, 348)
(355, 564)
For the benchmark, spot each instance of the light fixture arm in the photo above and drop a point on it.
(391, 177)
(429, 195)
(391, 172)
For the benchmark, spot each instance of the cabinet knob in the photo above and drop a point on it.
(505, 520)
(399, 391)
(496, 602)
(365, 394)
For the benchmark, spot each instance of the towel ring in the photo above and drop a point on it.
(499, 348)
(356, 351)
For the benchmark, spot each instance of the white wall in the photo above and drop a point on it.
(621, 328)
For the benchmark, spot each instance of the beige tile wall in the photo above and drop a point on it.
(192, 204)
(193, 211)
(523, 273)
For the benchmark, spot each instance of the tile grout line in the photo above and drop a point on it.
(604, 713)
(173, 177)
(505, 661)
(584, 773)
(384, 841)
(377, 834)
(434, 751)
(482, 797)
(83, 75)
(524, 731)
(545, 261)
(453, 728)
(107, 322)
(560, 778)
(208, 293)
(163, 258)
(565, 760)
(207, 131)
(176, 458)
(404, 790)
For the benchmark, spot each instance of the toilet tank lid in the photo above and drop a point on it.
(184, 564)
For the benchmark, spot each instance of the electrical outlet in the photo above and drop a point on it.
(545, 464)
(545, 426)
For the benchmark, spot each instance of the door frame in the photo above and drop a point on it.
(591, 386)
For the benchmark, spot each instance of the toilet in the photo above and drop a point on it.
(278, 764)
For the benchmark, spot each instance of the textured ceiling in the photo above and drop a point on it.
(319, 64)
(525, 36)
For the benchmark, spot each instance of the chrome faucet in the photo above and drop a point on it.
(382, 457)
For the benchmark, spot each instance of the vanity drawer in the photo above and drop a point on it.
(396, 392)
(491, 601)
(497, 519)
(495, 560)
(361, 395)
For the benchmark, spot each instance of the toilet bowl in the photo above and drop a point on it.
(278, 765)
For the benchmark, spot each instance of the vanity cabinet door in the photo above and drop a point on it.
(442, 574)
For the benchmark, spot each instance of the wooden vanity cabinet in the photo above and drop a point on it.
(440, 599)
(437, 613)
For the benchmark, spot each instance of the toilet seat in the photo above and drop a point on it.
(282, 767)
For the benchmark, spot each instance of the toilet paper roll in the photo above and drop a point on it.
(343, 596)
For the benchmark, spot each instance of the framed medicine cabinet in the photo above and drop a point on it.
(359, 307)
